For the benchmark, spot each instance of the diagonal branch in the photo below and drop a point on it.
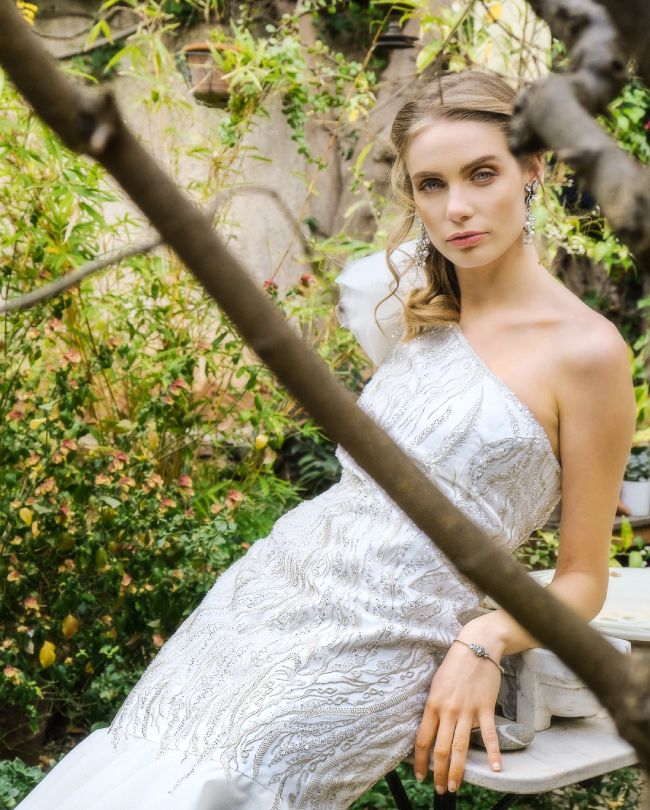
(90, 123)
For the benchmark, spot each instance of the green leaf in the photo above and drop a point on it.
(636, 560)
(363, 154)
(427, 55)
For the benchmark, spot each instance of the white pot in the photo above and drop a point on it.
(636, 495)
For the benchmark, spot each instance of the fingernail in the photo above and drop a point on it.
(496, 766)
(440, 789)
(419, 776)
(452, 786)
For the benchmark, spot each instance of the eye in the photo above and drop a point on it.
(423, 186)
(484, 174)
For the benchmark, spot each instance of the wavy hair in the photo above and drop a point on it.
(465, 96)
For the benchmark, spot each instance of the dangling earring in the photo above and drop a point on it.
(529, 226)
(422, 247)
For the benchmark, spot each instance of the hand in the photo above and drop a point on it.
(463, 696)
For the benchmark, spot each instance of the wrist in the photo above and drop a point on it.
(489, 635)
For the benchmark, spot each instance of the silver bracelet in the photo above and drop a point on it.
(479, 649)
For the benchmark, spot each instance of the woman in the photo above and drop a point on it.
(325, 654)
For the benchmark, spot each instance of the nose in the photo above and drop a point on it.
(459, 207)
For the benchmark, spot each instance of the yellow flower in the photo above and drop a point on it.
(353, 114)
(495, 11)
(47, 654)
(261, 440)
(25, 516)
(69, 626)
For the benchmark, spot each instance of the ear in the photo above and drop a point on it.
(535, 168)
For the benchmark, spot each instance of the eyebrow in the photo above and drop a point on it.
(467, 167)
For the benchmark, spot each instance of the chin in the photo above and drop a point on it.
(477, 258)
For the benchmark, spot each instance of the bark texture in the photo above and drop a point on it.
(557, 112)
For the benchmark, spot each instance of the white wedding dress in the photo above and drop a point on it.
(302, 676)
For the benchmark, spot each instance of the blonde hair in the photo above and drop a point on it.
(466, 96)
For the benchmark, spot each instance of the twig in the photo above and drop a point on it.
(59, 285)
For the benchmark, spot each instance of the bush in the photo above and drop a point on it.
(16, 780)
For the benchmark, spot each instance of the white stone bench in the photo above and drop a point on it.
(570, 751)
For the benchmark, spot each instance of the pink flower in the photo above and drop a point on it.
(234, 498)
(49, 485)
(179, 385)
(31, 603)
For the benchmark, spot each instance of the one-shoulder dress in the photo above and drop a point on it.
(301, 677)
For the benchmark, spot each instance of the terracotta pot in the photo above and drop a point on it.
(206, 80)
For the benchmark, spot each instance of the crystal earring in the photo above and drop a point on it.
(422, 247)
(529, 226)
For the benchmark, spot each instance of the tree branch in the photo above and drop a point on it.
(90, 122)
(556, 113)
(59, 285)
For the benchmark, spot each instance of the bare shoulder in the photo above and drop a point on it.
(587, 344)
(593, 376)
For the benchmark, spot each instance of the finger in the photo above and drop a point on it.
(459, 747)
(442, 752)
(491, 741)
(423, 740)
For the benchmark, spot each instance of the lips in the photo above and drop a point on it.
(464, 235)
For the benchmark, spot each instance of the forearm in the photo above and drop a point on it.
(502, 635)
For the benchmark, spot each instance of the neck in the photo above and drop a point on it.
(509, 283)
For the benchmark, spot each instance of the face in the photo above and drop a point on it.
(465, 179)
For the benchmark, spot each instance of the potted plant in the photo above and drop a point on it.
(635, 492)
(207, 81)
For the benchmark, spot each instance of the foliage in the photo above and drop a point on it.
(313, 82)
(638, 465)
(139, 438)
(628, 548)
(16, 780)
(540, 552)
(625, 118)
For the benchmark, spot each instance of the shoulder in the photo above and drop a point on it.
(589, 348)
(593, 376)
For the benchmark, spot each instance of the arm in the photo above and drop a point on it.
(597, 417)
(597, 414)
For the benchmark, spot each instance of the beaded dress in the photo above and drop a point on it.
(302, 676)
